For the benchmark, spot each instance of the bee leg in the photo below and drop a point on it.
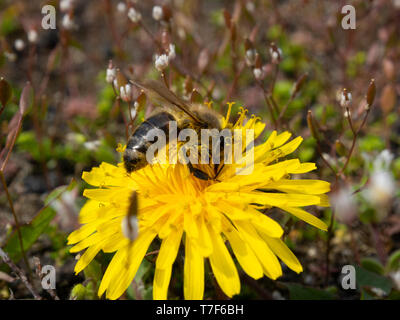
(198, 173)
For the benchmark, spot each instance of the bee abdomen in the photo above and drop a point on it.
(143, 138)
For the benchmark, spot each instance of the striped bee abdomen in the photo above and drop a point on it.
(142, 138)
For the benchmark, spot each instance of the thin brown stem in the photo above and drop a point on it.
(17, 224)
(20, 273)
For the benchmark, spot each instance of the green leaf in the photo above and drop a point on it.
(373, 265)
(365, 278)
(78, 292)
(57, 192)
(30, 233)
(393, 263)
(372, 143)
(93, 271)
(299, 292)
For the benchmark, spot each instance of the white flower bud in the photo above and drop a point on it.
(66, 5)
(11, 56)
(161, 62)
(68, 23)
(345, 205)
(250, 57)
(276, 54)
(19, 44)
(157, 13)
(121, 7)
(134, 110)
(126, 92)
(382, 185)
(396, 4)
(92, 145)
(396, 275)
(134, 15)
(345, 98)
(171, 52)
(111, 74)
(32, 36)
(258, 73)
(130, 227)
(250, 6)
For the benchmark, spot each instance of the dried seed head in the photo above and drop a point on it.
(299, 84)
(130, 227)
(311, 125)
(120, 79)
(371, 93)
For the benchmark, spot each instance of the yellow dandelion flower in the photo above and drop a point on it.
(204, 215)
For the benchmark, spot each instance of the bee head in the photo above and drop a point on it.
(134, 160)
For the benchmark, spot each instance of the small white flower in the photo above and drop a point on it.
(66, 5)
(181, 33)
(250, 6)
(157, 13)
(382, 187)
(276, 54)
(344, 205)
(383, 160)
(32, 36)
(345, 98)
(134, 110)
(276, 295)
(111, 74)
(216, 94)
(379, 292)
(171, 52)
(121, 7)
(130, 227)
(347, 114)
(11, 56)
(258, 73)
(250, 57)
(396, 275)
(92, 145)
(68, 23)
(396, 4)
(161, 62)
(19, 44)
(134, 15)
(126, 92)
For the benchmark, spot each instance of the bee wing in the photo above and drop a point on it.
(160, 94)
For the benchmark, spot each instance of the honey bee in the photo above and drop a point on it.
(169, 108)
